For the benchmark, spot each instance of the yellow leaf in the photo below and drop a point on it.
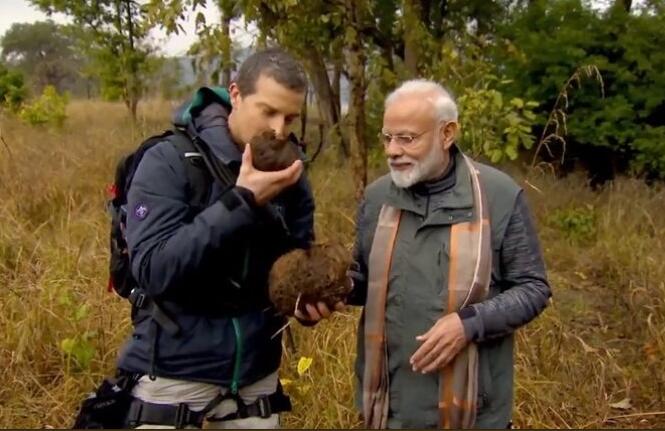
(285, 382)
(303, 364)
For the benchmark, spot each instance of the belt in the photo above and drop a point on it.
(142, 412)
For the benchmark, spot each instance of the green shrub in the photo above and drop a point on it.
(12, 89)
(49, 109)
(578, 224)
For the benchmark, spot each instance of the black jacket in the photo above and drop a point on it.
(208, 269)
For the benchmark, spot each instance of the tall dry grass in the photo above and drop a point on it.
(602, 340)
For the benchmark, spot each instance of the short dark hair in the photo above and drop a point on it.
(275, 63)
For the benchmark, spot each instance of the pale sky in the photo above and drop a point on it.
(15, 11)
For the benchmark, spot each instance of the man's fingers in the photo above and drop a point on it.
(424, 360)
(442, 359)
(422, 351)
(428, 334)
(247, 156)
(435, 365)
(286, 176)
(294, 171)
(323, 309)
(316, 312)
(430, 357)
(313, 312)
(340, 306)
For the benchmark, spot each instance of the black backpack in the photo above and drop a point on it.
(199, 180)
(201, 167)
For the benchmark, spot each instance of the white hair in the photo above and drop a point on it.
(439, 97)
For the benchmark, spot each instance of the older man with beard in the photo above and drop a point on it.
(447, 267)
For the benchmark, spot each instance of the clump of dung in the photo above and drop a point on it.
(309, 276)
(270, 153)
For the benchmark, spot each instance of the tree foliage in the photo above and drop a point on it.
(12, 88)
(113, 33)
(554, 38)
(45, 52)
(513, 65)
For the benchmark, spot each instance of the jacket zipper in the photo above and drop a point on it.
(238, 356)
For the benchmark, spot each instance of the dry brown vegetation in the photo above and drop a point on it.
(595, 358)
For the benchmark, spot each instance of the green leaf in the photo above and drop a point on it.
(527, 141)
(496, 156)
(511, 152)
(517, 102)
(350, 35)
(497, 99)
(67, 345)
(529, 115)
(78, 349)
(81, 312)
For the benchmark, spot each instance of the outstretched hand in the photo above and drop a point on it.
(318, 311)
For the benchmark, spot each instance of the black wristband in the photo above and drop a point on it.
(232, 197)
(466, 312)
(247, 195)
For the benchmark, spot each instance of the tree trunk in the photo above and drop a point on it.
(133, 105)
(328, 107)
(226, 48)
(337, 83)
(133, 90)
(412, 14)
(438, 12)
(303, 120)
(262, 40)
(626, 5)
(356, 59)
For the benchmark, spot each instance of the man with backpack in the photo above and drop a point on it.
(203, 228)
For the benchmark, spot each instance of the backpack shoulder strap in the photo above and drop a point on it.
(199, 179)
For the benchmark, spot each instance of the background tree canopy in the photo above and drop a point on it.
(515, 66)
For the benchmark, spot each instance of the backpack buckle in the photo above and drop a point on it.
(259, 408)
(183, 416)
(263, 403)
(137, 298)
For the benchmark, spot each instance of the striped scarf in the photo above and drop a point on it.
(469, 274)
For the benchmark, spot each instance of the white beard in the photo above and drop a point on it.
(421, 170)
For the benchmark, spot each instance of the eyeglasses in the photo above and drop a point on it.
(402, 140)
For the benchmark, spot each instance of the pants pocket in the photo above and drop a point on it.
(484, 381)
